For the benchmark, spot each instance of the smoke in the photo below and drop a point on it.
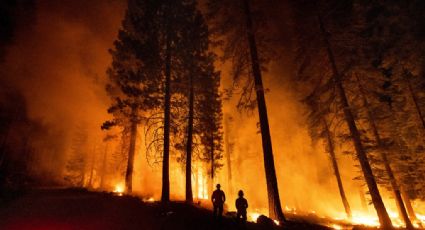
(306, 180)
(57, 60)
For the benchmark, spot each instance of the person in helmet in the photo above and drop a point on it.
(218, 198)
(241, 206)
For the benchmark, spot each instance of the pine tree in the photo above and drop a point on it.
(210, 119)
(234, 21)
(383, 155)
(384, 218)
(173, 21)
(228, 143)
(333, 49)
(319, 128)
(76, 165)
(203, 94)
(134, 75)
(104, 161)
(196, 69)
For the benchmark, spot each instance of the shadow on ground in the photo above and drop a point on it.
(74, 209)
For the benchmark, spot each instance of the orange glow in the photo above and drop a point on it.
(119, 189)
(367, 219)
(336, 226)
(65, 88)
(202, 183)
(149, 200)
(253, 216)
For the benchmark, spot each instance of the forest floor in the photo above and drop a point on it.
(73, 209)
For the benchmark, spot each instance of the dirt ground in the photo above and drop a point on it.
(73, 209)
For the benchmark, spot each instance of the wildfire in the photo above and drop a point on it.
(149, 200)
(420, 221)
(253, 216)
(364, 219)
(336, 226)
(340, 221)
(420, 217)
(119, 189)
(291, 210)
(202, 181)
(370, 220)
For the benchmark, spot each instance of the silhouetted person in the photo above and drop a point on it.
(218, 199)
(241, 206)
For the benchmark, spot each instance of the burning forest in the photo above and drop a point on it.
(141, 114)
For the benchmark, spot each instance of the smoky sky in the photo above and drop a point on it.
(56, 56)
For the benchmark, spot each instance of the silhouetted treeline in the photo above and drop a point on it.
(163, 78)
(25, 150)
(361, 65)
(26, 154)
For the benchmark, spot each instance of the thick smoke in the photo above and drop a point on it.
(57, 59)
(57, 62)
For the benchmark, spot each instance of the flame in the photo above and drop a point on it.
(202, 182)
(149, 200)
(253, 216)
(119, 189)
(365, 219)
(370, 220)
(420, 217)
(336, 226)
(420, 221)
(291, 210)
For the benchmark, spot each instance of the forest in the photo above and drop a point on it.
(315, 109)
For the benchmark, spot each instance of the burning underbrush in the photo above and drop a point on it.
(202, 206)
(326, 217)
(359, 220)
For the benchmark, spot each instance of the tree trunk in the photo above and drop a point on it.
(103, 172)
(228, 156)
(363, 199)
(416, 104)
(336, 170)
(386, 161)
(189, 194)
(92, 167)
(131, 151)
(409, 206)
(384, 219)
(275, 209)
(165, 197)
(83, 175)
(212, 161)
(196, 180)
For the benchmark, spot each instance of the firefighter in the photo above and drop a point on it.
(218, 198)
(241, 206)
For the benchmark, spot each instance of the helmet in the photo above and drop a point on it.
(240, 193)
(218, 186)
